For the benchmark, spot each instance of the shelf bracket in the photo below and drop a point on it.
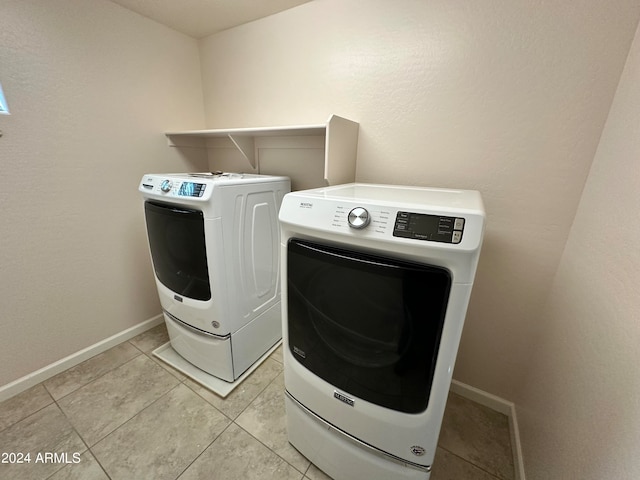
(246, 146)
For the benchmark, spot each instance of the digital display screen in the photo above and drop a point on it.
(191, 189)
(435, 228)
(424, 224)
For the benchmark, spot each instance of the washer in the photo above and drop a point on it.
(376, 283)
(214, 244)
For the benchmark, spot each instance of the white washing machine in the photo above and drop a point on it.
(215, 252)
(376, 282)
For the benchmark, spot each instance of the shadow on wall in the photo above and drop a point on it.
(508, 290)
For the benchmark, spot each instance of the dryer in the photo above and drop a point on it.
(376, 282)
(214, 246)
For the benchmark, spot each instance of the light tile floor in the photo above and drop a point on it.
(124, 414)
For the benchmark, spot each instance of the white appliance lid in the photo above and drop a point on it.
(401, 195)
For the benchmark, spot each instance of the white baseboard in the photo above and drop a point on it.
(21, 384)
(499, 405)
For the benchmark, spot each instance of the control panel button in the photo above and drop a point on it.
(457, 236)
(458, 224)
(358, 218)
(166, 185)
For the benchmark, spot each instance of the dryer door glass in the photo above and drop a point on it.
(176, 239)
(368, 325)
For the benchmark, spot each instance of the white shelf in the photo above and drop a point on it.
(337, 138)
(253, 132)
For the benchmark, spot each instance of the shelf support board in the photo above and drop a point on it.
(246, 146)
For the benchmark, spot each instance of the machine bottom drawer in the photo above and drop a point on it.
(208, 353)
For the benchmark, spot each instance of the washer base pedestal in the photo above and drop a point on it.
(339, 457)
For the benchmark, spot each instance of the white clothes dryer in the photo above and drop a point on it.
(214, 246)
(376, 282)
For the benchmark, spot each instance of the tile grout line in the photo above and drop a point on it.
(260, 441)
(93, 379)
(56, 400)
(259, 393)
(181, 382)
(32, 413)
(89, 448)
(136, 414)
(497, 477)
(274, 452)
(231, 422)
(104, 470)
(208, 446)
(73, 427)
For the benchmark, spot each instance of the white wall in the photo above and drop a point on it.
(91, 88)
(508, 97)
(580, 409)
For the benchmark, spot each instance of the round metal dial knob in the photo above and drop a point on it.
(358, 218)
(166, 185)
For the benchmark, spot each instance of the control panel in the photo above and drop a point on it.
(379, 221)
(434, 228)
(176, 188)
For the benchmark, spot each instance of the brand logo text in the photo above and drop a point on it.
(343, 398)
